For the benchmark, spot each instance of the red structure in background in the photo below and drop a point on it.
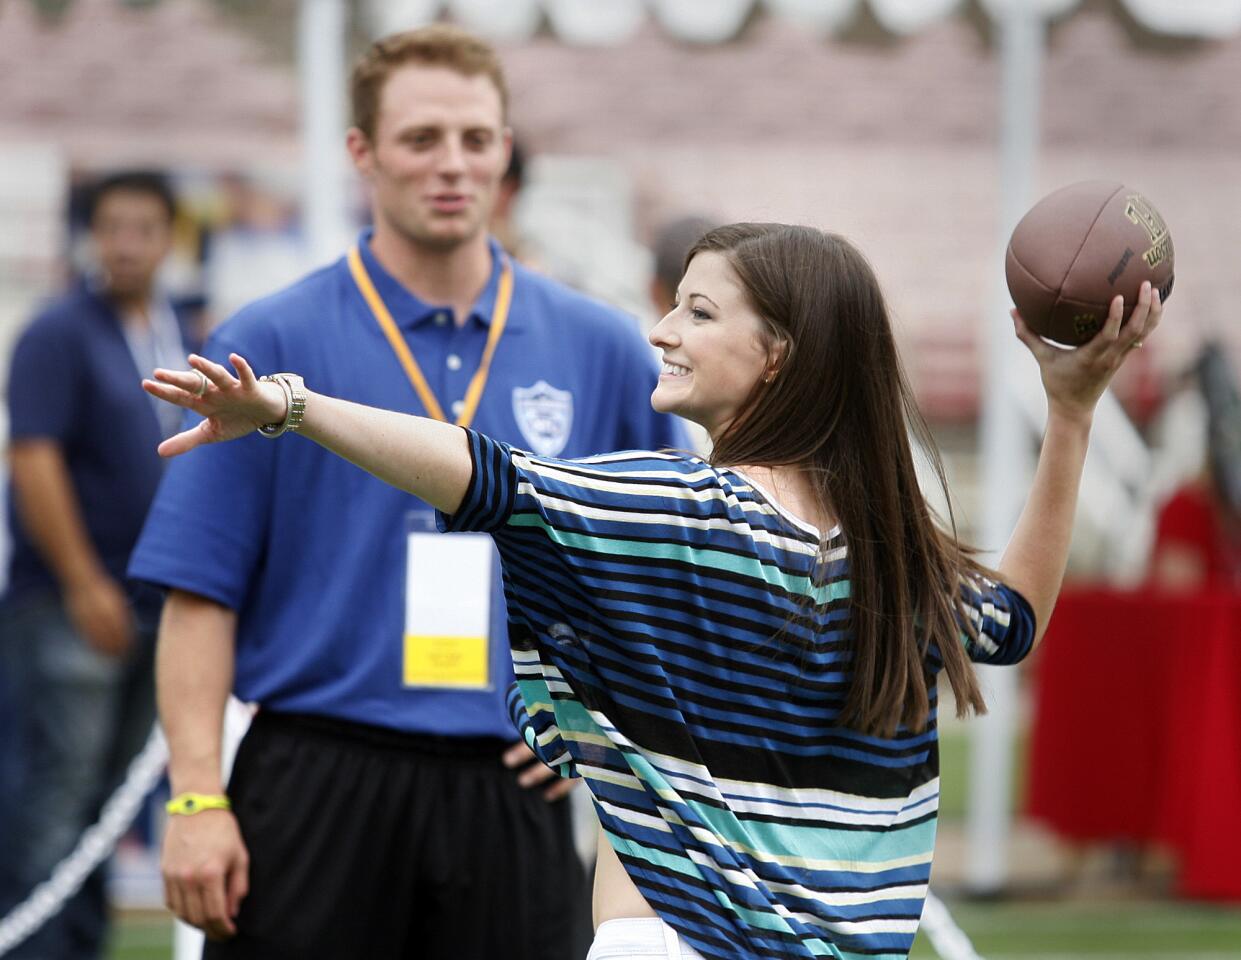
(1137, 729)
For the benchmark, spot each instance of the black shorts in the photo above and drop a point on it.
(367, 843)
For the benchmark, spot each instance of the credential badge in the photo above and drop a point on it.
(545, 417)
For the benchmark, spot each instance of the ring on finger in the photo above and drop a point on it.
(1136, 345)
(202, 383)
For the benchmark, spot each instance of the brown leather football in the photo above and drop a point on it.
(1079, 247)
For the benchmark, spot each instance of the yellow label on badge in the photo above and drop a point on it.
(447, 611)
(439, 661)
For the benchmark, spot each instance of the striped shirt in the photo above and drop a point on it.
(659, 629)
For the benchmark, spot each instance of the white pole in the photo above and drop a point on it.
(1007, 457)
(321, 43)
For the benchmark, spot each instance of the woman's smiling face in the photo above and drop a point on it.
(715, 346)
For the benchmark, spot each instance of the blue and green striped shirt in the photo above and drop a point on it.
(658, 622)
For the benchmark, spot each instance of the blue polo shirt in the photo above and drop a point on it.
(311, 551)
(73, 381)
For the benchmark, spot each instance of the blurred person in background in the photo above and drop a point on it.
(76, 642)
(253, 244)
(503, 224)
(672, 241)
(1198, 531)
(381, 804)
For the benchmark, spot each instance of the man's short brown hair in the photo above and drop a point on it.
(438, 45)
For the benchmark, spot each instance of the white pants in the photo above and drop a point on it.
(639, 938)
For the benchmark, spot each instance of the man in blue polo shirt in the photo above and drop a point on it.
(379, 806)
(77, 646)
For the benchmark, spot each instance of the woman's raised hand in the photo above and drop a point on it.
(1075, 379)
(232, 405)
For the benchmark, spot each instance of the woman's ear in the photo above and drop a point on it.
(777, 357)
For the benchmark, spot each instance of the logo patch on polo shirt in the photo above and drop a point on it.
(545, 416)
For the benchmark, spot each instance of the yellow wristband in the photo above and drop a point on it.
(188, 804)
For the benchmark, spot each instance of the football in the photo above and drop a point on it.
(1079, 247)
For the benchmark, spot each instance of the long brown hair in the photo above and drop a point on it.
(840, 408)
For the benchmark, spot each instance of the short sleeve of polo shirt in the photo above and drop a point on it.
(206, 530)
(42, 391)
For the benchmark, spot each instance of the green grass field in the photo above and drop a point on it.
(1021, 931)
(142, 936)
(1095, 931)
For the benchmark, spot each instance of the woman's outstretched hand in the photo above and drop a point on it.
(233, 405)
(1074, 380)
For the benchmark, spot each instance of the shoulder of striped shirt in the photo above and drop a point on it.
(668, 484)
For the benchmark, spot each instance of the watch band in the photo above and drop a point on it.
(188, 804)
(294, 388)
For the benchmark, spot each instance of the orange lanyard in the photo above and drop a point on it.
(499, 317)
